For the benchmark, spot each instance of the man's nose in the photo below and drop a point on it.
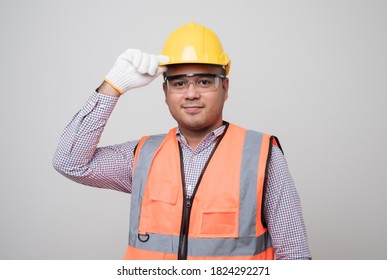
(191, 91)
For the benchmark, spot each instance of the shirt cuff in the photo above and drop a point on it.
(99, 105)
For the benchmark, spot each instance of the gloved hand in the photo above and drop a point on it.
(134, 69)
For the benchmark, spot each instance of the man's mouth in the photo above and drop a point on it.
(192, 108)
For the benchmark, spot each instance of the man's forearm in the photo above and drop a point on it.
(107, 89)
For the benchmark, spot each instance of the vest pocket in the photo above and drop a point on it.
(164, 193)
(160, 209)
(219, 223)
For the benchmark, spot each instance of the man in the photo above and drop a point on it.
(206, 190)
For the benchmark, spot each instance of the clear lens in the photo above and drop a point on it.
(202, 82)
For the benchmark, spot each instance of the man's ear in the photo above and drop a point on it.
(165, 90)
(225, 85)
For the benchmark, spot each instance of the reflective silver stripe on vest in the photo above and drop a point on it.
(245, 245)
(141, 171)
(207, 247)
(249, 177)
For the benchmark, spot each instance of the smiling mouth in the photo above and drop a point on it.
(188, 107)
(192, 109)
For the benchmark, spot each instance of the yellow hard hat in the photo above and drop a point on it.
(195, 43)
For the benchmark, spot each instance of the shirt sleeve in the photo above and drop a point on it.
(78, 158)
(283, 211)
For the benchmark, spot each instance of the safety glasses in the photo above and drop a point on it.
(202, 82)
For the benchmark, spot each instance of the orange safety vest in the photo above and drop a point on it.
(224, 217)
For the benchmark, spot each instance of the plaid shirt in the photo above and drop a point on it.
(78, 158)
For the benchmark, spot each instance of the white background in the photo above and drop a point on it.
(313, 73)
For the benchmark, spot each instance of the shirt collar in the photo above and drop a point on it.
(209, 138)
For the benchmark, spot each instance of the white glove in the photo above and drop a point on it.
(134, 69)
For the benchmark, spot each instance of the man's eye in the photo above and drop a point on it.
(178, 83)
(205, 82)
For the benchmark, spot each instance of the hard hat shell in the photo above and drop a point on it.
(195, 43)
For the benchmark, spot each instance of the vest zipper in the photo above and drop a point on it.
(183, 240)
(186, 215)
(188, 202)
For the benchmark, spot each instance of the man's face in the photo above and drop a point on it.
(195, 111)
